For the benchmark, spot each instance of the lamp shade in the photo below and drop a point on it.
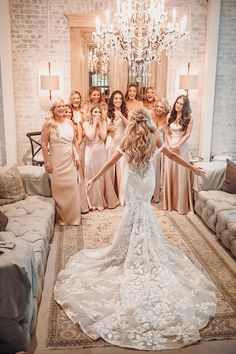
(49, 82)
(188, 82)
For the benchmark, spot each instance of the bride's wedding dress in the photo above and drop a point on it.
(138, 292)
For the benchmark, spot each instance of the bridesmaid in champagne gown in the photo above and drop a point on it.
(76, 103)
(95, 97)
(138, 292)
(159, 117)
(132, 98)
(95, 129)
(61, 162)
(150, 98)
(117, 116)
(69, 114)
(177, 180)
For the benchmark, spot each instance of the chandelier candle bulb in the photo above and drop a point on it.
(183, 23)
(107, 16)
(98, 24)
(140, 30)
(118, 6)
(174, 15)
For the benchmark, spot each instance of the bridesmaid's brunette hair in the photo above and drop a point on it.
(137, 93)
(72, 113)
(111, 107)
(90, 119)
(186, 112)
(138, 145)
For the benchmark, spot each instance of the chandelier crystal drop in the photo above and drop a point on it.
(98, 62)
(140, 32)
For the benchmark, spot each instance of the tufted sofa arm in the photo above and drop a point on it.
(36, 181)
(215, 207)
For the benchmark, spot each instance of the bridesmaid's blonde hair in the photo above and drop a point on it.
(138, 145)
(51, 122)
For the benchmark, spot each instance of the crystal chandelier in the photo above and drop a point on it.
(140, 32)
(98, 62)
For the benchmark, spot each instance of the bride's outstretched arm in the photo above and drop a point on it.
(177, 158)
(115, 157)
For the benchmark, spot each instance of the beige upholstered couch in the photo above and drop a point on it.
(216, 208)
(30, 228)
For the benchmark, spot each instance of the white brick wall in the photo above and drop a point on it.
(224, 126)
(30, 57)
(194, 53)
(2, 137)
(29, 46)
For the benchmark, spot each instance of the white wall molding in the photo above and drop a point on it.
(7, 84)
(206, 126)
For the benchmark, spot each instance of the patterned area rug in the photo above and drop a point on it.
(186, 232)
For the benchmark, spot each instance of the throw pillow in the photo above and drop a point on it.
(11, 186)
(3, 221)
(229, 183)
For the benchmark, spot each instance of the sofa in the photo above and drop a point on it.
(216, 207)
(24, 248)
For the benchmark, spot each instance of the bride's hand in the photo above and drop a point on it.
(199, 171)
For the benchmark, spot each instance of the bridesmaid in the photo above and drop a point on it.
(61, 162)
(117, 121)
(177, 181)
(75, 102)
(150, 97)
(79, 135)
(95, 129)
(132, 98)
(159, 117)
(94, 98)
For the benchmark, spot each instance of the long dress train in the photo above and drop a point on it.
(138, 292)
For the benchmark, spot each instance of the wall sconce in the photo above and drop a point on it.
(188, 82)
(49, 82)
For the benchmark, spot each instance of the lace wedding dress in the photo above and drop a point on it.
(138, 292)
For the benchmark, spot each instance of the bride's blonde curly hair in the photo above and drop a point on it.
(138, 145)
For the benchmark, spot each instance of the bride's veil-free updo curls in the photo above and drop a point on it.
(138, 145)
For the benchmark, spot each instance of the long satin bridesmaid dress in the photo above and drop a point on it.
(64, 176)
(177, 179)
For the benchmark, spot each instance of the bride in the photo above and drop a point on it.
(138, 292)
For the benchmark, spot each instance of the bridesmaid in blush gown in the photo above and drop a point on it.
(95, 97)
(117, 121)
(69, 114)
(159, 117)
(150, 98)
(132, 98)
(138, 292)
(95, 130)
(61, 162)
(177, 180)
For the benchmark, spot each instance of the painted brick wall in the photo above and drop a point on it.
(193, 52)
(224, 128)
(2, 137)
(30, 56)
